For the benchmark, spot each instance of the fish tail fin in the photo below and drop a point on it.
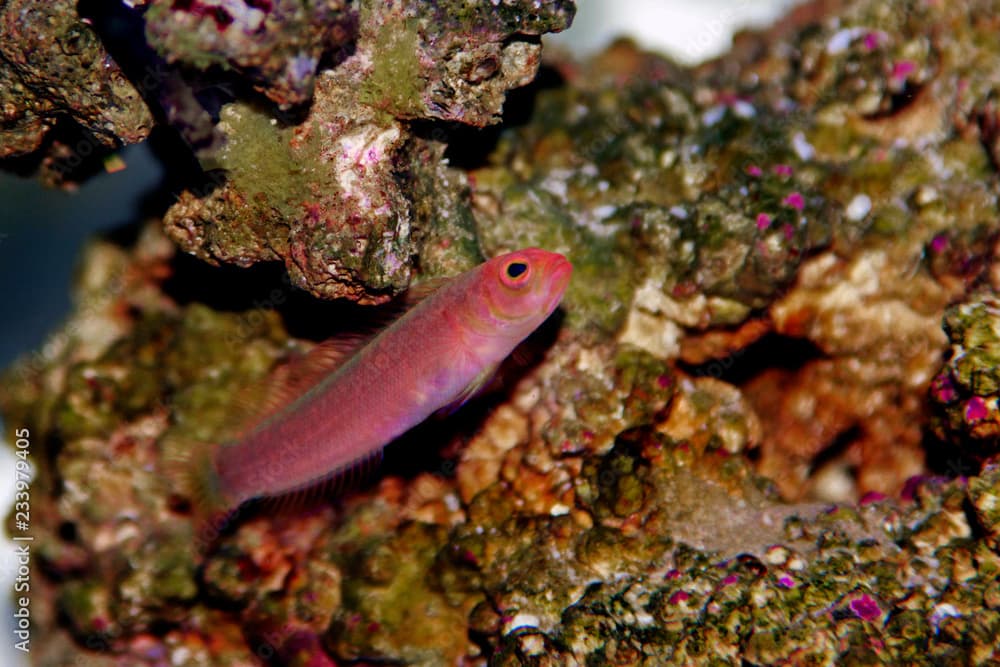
(190, 468)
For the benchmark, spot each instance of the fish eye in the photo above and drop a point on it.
(515, 273)
(516, 269)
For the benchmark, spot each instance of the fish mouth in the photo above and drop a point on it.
(562, 270)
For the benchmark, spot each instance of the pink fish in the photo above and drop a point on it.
(438, 354)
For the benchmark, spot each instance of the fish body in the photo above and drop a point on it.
(437, 354)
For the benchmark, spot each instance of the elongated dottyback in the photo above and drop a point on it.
(437, 354)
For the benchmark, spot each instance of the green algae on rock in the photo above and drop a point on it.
(618, 169)
(125, 563)
(630, 559)
(453, 60)
(323, 196)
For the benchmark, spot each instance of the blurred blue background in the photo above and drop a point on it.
(41, 234)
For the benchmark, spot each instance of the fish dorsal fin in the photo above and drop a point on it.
(258, 401)
(422, 290)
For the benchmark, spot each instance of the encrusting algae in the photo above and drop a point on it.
(760, 429)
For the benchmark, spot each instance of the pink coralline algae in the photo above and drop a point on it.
(965, 392)
(939, 243)
(943, 389)
(873, 40)
(866, 608)
(786, 581)
(872, 497)
(903, 69)
(976, 409)
(763, 221)
(679, 597)
(795, 200)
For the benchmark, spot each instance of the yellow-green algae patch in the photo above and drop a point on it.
(394, 83)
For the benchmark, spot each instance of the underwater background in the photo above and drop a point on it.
(742, 417)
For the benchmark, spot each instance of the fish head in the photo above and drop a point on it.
(522, 288)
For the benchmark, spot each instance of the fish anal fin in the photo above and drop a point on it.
(336, 483)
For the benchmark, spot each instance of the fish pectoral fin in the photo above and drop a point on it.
(477, 386)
